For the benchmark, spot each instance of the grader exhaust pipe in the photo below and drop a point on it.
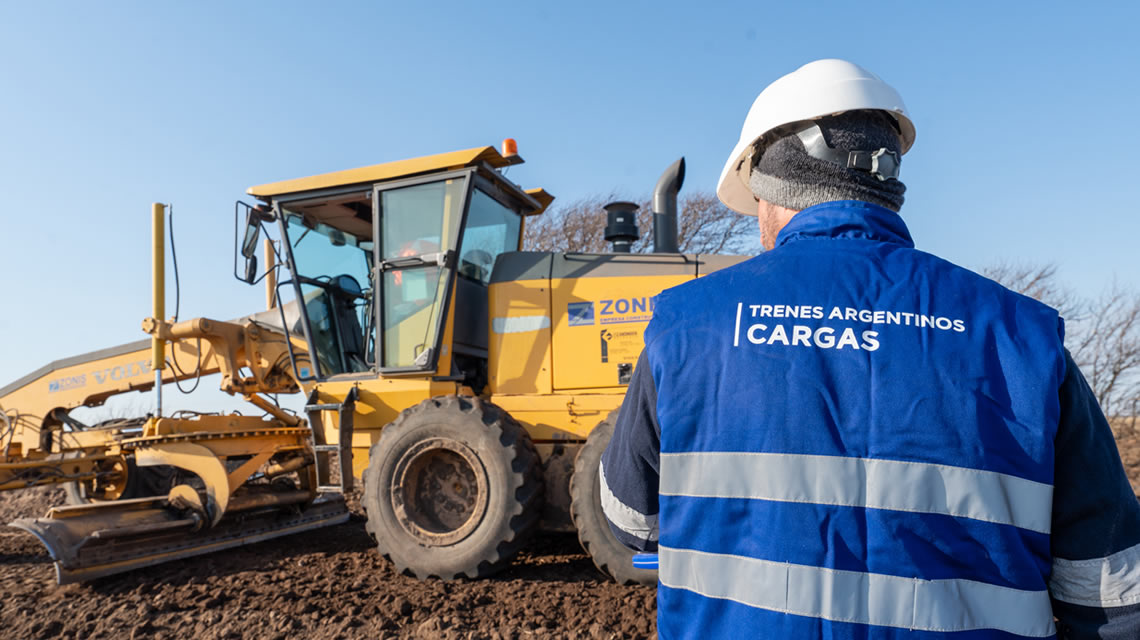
(665, 208)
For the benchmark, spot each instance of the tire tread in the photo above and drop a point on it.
(526, 471)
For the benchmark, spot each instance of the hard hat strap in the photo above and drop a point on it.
(882, 163)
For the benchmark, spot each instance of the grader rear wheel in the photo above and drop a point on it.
(610, 555)
(453, 488)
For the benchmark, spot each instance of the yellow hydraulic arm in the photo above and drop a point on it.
(40, 400)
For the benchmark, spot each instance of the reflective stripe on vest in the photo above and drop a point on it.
(1112, 581)
(868, 598)
(624, 517)
(858, 482)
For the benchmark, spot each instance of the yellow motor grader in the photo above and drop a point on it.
(470, 385)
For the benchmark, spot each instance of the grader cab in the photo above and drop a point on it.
(472, 386)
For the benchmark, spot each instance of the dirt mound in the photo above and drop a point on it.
(28, 503)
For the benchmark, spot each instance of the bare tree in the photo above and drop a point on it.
(1103, 334)
(1106, 345)
(576, 226)
(704, 225)
(1038, 281)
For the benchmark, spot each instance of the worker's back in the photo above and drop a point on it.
(861, 442)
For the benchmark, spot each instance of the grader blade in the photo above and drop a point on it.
(92, 541)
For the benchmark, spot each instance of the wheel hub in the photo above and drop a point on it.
(440, 493)
(110, 482)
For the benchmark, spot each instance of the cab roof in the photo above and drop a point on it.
(398, 169)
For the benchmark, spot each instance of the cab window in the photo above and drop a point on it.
(491, 229)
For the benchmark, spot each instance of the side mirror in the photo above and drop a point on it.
(252, 233)
(250, 269)
(248, 236)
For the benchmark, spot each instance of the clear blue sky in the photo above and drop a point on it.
(1026, 112)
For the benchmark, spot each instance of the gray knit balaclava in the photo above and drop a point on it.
(787, 176)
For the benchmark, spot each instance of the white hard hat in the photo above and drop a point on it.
(815, 90)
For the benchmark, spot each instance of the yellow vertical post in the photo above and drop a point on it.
(158, 276)
(270, 274)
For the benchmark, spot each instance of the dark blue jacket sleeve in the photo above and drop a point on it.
(631, 464)
(1096, 524)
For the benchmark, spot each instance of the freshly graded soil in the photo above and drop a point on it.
(325, 584)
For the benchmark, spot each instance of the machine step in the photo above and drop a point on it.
(343, 450)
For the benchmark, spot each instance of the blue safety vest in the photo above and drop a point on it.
(856, 442)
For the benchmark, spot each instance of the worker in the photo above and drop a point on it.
(845, 437)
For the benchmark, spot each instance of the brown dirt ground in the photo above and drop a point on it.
(326, 584)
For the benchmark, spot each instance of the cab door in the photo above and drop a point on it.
(418, 229)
